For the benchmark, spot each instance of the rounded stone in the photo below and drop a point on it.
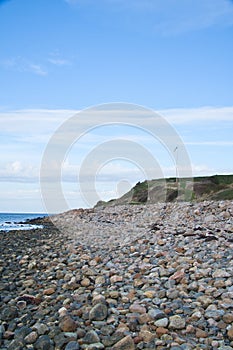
(156, 314)
(163, 322)
(137, 308)
(228, 318)
(21, 304)
(9, 313)
(67, 324)
(91, 337)
(98, 313)
(22, 332)
(31, 338)
(230, 333)
(49, 291)
(72, 345)
(16, 345)
(40, 328)
(176, 322)
(43, 343)
(85, 282)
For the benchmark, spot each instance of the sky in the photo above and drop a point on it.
(60, 57)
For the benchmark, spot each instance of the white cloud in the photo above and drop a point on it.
(33, 121)
(18, 172)
(21, 64)
(25, 134)
(59, 61)
(198, 115)
(211, 143)
(36, 69)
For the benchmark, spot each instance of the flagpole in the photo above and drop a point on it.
(176, 160)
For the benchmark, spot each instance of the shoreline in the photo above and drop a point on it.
(126, 277)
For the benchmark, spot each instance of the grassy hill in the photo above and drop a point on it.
(216, 187)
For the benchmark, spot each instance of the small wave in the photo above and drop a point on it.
(10, 226)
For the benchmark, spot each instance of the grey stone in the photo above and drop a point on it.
(22, 332)
(176, 322)
(41, 328)
(43, 343)
(72, 345)
(156, 314)
(9, 313)
(162, 322)
(99, 312)
(16, 344)
(91, 337)
(95, 346)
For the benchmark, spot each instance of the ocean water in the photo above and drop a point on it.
(15, 221)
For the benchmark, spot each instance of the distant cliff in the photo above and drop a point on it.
(217, 187)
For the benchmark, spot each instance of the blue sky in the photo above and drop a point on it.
(58, 57)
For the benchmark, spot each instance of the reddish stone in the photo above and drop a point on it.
(160, 331)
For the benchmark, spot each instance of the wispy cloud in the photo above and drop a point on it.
(59, 62)
(185, 16)
(36, 69)
(21, 64)
(56, 58)
(198, 115)
(211, 143)
(25, 133)
(174, 17)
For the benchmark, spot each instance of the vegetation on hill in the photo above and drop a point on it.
(216, 187)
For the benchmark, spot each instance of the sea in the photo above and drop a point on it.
(17, 221)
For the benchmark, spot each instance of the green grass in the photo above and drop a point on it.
(224, 195)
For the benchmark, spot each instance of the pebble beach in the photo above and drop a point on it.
(153, 276)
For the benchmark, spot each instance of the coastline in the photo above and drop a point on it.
(19, 221)
(152, 276)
